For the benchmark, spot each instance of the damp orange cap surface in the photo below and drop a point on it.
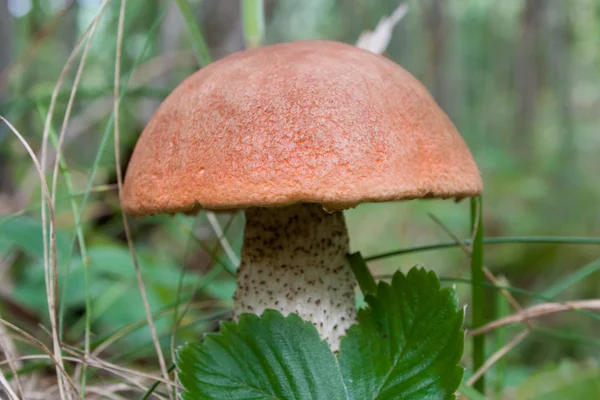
(311, 121)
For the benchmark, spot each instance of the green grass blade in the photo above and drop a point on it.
(254, 22)
(19, 106)
(152, 388)
(567, 336)
(572, 279)
(196, 37)
(491, 241)
(477, 289)
(501, 337)
(363, 276)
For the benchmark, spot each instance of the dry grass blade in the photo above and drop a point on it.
(29, 338)
(110, 391)
(70, 103)
(377, 41)
(48, 263)
(138, 273)
(50, 260)
(114, 368)
(61, 78)
(57, 160)
(133, 376)
(9, 350)
(214, 223)
(537, 311)
(497, 356)
(6, 386)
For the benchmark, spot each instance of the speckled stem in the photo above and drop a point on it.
(294, 261)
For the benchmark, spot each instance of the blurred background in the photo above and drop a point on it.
(519, 78)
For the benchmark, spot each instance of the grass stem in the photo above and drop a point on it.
(477, 289)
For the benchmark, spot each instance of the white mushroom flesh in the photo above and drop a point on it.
(294, 261)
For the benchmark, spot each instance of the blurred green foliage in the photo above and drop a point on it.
(519, 78)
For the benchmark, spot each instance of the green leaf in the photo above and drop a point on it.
(26, 233)
(271, 357)
(407, 344)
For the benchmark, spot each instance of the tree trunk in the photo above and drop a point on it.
(221, 22)
(437, 30)
(527, 84)
(559, 47)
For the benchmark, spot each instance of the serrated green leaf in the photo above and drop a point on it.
(407, 344)
(271, 357)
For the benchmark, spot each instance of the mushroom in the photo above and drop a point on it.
(293, 134)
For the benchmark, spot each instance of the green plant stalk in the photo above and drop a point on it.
(363, 276)
(501, 338)
(492, 241)
(477, 289)
(254, 22)
(196, 37)
(152, 388)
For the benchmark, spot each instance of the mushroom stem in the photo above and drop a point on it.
(294, 261)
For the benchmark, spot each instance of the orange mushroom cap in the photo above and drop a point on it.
(310, 121)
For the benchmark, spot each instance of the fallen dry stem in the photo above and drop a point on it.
(29, 338)
(537, 311)
(8, 389)
(116, 370)
(10, 352)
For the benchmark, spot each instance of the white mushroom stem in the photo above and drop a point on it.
(294, 261)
